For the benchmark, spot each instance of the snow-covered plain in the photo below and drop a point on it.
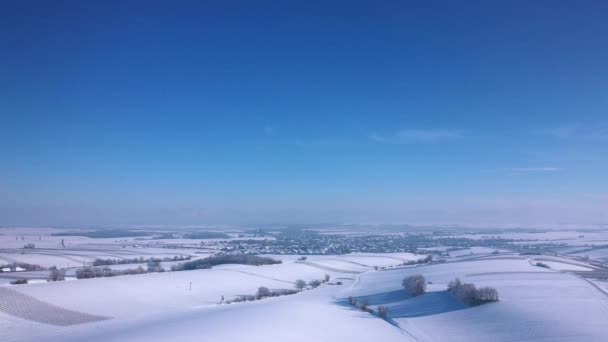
(536, 303)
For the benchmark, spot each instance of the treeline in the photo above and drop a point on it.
(264, 292)
(26, 267)
(140, 260)
(205, 235)
(243, 259)
(106, 233)
(100, 272)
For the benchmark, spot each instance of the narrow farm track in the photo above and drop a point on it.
(261, 276)
(27, 307)
(508, 272)
(327, 268)
(351, 262)
(601, 290)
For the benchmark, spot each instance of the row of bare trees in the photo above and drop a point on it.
(264, 292)
(363, 305)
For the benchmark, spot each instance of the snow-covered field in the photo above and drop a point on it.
(536, 303)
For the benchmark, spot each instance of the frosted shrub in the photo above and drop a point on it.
(414, 285)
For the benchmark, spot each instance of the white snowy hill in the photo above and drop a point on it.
(536, 304)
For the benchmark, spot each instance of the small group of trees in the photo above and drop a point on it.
(382, 311)
(424, 260)
(363, 305)
(470, 294)
(263, 292)
(301, 284)
(154, 266)
(56, 274)
(314, 283)
(414, 285)
(540, 264)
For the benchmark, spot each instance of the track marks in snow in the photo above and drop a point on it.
(261, 276)
(27, 307)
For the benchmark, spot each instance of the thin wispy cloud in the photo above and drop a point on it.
(579, 131)
(323, 143)
(564, 131)
(602, 197)
(534, 169)
(415, 135)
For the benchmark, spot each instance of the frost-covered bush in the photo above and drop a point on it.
(155, 266)
(263, 292)
(314, 283)
(414, 285)
(56, 274)
(471, 295)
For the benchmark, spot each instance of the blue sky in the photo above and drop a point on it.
(471, 112)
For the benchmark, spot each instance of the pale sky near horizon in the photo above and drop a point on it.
(191, 112)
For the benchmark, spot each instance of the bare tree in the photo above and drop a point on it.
(487, 294)
(300, 284)
(56, 274)
(383, 311)
(454, 284)
(364, 304)
(263, 292)
(414, 285)
(314, 283)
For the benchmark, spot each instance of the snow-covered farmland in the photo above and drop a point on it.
(558, 303)
(536, 304)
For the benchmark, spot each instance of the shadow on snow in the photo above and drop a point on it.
(402, 305)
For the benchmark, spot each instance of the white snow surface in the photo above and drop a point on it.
(536, 304)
